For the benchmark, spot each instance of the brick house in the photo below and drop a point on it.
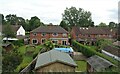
(55, 33)
(83, 34)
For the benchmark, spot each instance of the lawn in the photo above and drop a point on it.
(27, 58)
(82, 65)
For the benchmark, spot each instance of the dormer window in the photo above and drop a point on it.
(55, 34)
(43, 34)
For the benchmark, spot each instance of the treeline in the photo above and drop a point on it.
(13, 19)
(70, 17)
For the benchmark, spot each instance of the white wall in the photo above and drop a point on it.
(21, 31)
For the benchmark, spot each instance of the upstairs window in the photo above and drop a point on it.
(43, 34)
(34, 34)
(55, 34)
(64, 34)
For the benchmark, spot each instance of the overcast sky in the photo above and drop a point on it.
(50, 11)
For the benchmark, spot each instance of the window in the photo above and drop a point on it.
(55, 41)
(43, 34)
(64, 34)
(43, 40)
(34, 34)
(34, 41)
(64, 42)
(55, 34)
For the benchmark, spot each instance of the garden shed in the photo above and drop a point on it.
(55, 61)
(98, 64)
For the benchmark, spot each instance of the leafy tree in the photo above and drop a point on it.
(112, 25)
(78, 17)
(34, 22)
(64, 25)
(11, 19)
(102, 25)
(8, 32)
(11, 60)
(48, 45)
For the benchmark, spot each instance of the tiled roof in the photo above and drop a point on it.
(112, 49)
(14, 27)
(54, 56)
(98, 63)
(92, 30)
(50, 29)
(117, 43)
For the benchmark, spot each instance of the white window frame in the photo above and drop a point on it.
(42, 39)
(64, 34)
(42, 34)
(54, 35)
(62, 42)
(34, 34)
(36, 40)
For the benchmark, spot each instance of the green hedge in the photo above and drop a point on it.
(84, 49)
(89, 52)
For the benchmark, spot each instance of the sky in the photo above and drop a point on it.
(50, 11)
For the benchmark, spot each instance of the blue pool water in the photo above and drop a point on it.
(65, 49)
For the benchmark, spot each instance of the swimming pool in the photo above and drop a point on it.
(64, 49)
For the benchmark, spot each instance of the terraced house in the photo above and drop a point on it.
(90, 34)
(55, 33)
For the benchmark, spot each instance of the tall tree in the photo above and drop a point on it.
(8, 32)
(102, 25)
(76, 17)
(34, 22)
(112, 25)
(64, 25)
(12, 19)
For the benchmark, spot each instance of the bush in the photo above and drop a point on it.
(84, 49)
(89, 52)
(18, 42)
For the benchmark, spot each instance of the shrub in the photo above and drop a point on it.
(84, 49)
(18, 42)
(89, 52)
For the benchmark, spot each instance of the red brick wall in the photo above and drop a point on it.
(47, 36)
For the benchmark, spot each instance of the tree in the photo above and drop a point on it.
(48, 45)
(76, 17)
(8, 32)
(34, 22)
(102, 25)
(11, 19)
(64, 25)
(11, 60)
(112, 25)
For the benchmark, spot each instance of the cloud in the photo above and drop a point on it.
(50, 11)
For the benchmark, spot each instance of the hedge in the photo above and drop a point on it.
(89, 52)
(84, 49)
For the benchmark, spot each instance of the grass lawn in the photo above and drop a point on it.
(27, 58)
(82, 65)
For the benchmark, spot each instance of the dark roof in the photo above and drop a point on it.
(54, 56)
(92, 30)
(117, 43)
(98, 63)
(50, 29)
(14, 27)
(112, 49)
